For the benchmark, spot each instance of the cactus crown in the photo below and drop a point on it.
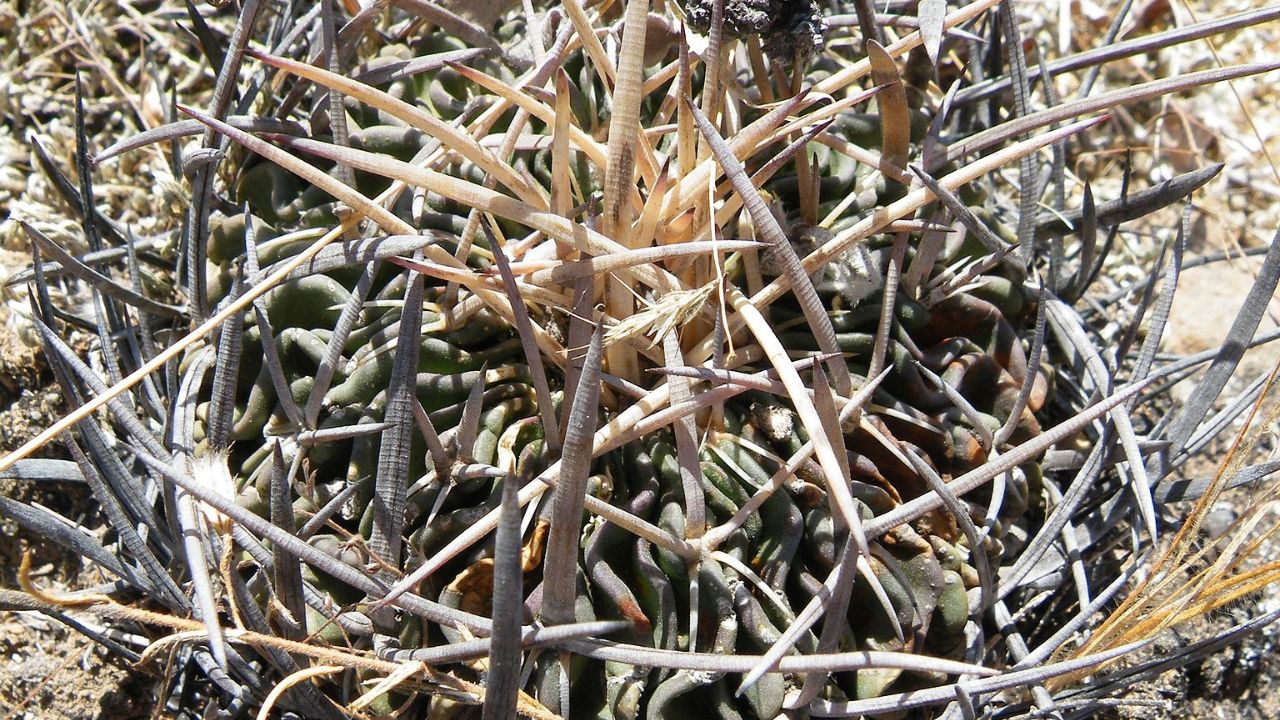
(594, 364)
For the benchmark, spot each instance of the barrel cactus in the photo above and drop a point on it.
(598, 365)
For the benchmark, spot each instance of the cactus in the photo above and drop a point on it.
(586, 366)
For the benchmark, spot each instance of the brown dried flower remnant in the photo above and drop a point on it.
(792, 31)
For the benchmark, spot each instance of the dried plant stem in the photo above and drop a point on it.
(618, 213)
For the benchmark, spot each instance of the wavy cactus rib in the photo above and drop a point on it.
(693, 376)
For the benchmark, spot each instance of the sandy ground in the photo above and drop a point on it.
(50, 672)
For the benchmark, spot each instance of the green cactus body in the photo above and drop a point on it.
(400, 393)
